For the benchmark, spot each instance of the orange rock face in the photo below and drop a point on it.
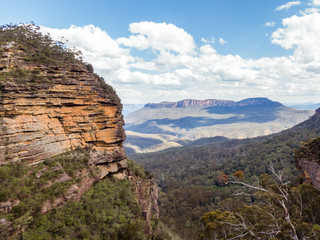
(48, 110)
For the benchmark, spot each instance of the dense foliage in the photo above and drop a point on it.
(266, 218)
(39, 48)
(28, 187)
(192, 178)
(309, 150)
(280, 210)
(109, 210)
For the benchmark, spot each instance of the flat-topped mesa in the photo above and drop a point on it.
(260, 102)
(190, 102)
(48, 109)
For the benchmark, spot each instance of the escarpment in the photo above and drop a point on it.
(307, 157)
(47, 110)
(61, 135)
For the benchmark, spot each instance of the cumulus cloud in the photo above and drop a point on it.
(180, 69)
(316, 2)
(288, 5)
(301, 33)
(159, 36)
(96, 45)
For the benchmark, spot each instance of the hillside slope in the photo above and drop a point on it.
(168, 124)
(192, 178)
(63, 170)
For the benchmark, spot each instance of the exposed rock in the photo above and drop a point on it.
(6, 207)
(311, 172)
(48, 110)
(307, 157)
(147, 194)
(74, 192)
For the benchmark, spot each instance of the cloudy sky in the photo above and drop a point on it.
(168, 50)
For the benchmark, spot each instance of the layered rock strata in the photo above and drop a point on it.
(47, 110)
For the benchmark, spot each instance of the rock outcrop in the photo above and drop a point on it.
(307, 157)
(147, 195)
(47, 110)
(63, 127)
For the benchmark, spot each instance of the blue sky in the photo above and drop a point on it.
(152, 51)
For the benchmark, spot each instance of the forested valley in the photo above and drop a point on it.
(195, 180)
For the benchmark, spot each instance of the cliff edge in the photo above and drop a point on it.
(50, 108)
(61, 132)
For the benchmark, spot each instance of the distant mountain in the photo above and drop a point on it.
(304, 106)
(190, 177)
(158, 126)
(252, 102)
(191, 102)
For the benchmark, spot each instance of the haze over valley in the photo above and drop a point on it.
(173, 124)
(160, 120)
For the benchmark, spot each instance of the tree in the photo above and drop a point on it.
(279, 212)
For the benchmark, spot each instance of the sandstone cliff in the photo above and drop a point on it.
(48, 110)
(61, 132)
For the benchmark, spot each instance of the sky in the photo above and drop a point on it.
(169, 50)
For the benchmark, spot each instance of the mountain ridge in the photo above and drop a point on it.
(164, 125)
(258, 101)
(191, 177)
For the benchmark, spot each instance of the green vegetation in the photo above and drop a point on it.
(39, 48)
(109, 91)
(266, 218)
(109, 210)
(31, 186)
(22, 75)
(192, 179)
(309, 150)
(279, 210)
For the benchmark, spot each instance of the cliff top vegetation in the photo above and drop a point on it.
(39, 48)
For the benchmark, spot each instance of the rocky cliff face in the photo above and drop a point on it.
(308, 157)
(63, 126)
(147, 194)
(48, 110)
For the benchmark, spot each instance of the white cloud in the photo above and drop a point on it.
(179, 69)
(97, 46)
(301, 33)
(159, 36)
(316, 2)
(270, 24)
(204, 40)
(288, 5)
(221, 41)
